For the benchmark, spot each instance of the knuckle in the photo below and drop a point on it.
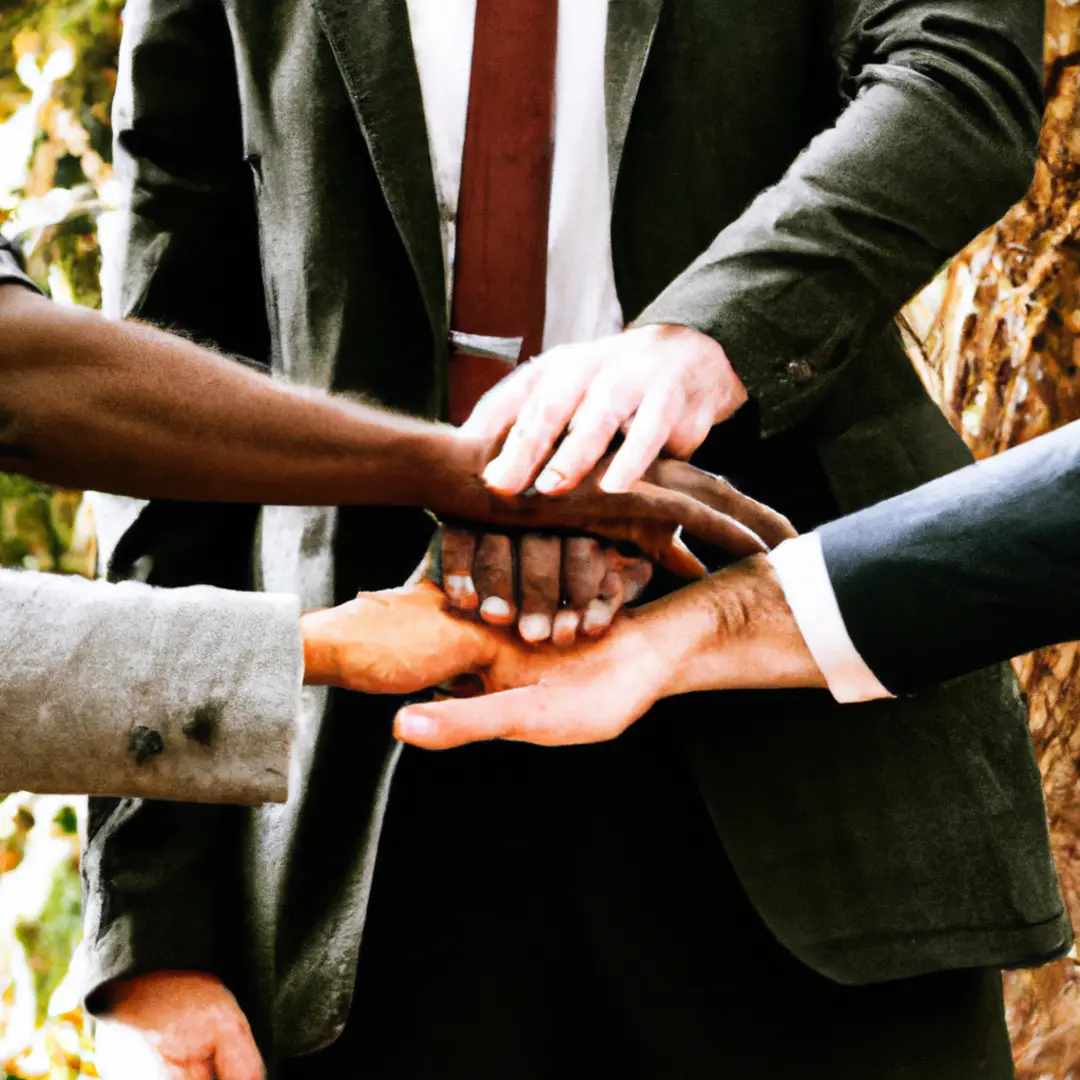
(540, 565)
(493, 558)
(583, 552)
(609, 418)
(550, 413)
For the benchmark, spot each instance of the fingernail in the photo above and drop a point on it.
(495, 607)
(597, 617)
(632, 590)
(565, 628)
(497, 472)
(415, 725)
(548, 481)
(611, 485)
(535, 628)
(461, 584)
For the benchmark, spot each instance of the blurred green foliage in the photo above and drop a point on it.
(57, 76)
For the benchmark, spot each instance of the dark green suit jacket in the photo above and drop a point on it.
(784, 177)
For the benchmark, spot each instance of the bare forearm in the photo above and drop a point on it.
(121, 407)
(732, 631)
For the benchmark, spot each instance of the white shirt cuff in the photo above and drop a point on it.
(799, 565)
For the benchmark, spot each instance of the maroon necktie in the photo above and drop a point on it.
(500, 262)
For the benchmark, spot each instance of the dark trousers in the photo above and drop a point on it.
(548, 914)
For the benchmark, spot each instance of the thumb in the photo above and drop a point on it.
(236, 1057)
(549, 714)
(440, 725)
(676, 557)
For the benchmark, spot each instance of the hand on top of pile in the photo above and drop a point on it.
(550, 425)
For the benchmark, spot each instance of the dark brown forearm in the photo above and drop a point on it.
(124, 408)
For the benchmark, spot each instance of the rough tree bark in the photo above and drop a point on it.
(1000, 349)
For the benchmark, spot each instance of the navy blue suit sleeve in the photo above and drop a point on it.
(973, 568)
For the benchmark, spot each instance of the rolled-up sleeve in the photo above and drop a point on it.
(123, 689)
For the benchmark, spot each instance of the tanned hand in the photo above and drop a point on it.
(175, 1025)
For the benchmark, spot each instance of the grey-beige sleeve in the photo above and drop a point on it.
(123, 689)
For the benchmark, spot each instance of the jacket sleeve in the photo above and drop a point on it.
(186, 253)
(12, 270)
(167, 693)
(937, 139)
(161, 879)
(973, 568)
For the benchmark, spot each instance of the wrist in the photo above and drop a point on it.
(708, 355)
(738, 633)
(321, 661)
(448, 474)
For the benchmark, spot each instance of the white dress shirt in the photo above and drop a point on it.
(582, 304)
(581, 300)
(799, 565)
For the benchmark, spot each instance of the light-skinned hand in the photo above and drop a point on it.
(663, 386)
(175, 1025)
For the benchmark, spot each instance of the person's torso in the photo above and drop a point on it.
(832, 819)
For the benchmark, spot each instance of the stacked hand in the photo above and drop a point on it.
(556, 585)
(664, 387)
(733, 630)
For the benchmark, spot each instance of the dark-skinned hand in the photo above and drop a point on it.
(562, 585)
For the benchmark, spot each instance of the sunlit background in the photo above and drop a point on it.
(996, 338)
(57, 74)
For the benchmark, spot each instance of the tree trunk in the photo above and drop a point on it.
(998, 343)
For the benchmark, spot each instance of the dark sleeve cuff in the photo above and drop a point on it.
(12, 270)
(156, 883)
(971, 569)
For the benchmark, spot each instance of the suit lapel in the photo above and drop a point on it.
(373, 49)
(631, 26)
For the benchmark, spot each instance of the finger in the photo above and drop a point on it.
(595, 424)
(458, 552)
(542, 714)
(583, 571)
(236, 1056)
(602, 610)
(646, 437)
(701, 520)
(679, 559)
(493, 575)
(716, 492)
(539, 568)
(692, 429)
(636, 575)
(565, 627)
(499, 407)
(542, 420)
